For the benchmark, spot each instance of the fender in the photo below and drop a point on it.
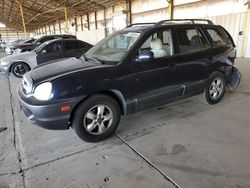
(122, 101)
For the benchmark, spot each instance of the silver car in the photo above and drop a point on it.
(55, 49)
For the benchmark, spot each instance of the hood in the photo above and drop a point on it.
(57, 68)
(18, 57)
(22, 45)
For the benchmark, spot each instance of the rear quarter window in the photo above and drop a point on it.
(218, 38)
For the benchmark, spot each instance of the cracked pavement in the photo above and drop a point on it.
(183, 144)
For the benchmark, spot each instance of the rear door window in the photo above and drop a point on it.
(217, 37)
(191, 40)
(71, 45)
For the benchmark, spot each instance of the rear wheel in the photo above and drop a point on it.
(215, 88)
(19, 69)
(97, 118)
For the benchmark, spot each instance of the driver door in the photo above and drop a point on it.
(154, 80)
(50, 52)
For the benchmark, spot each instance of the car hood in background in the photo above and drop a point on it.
(28, 46)
(19, 57)
(54, 69)
(19, 45)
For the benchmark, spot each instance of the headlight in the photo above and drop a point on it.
(43, 91)
(5, 63)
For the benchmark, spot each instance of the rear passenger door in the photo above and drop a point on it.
(72, 49)
(193, 56)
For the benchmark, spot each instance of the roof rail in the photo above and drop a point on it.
(183, 20)
(141, 24)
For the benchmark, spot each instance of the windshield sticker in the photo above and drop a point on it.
(131, 34)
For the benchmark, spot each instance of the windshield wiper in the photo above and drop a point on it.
(91, 58)
(83, 57)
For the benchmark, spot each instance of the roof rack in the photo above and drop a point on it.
(141, 24)
(184, 20)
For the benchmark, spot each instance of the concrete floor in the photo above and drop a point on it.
(184, 144)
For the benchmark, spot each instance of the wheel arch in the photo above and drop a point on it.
(18, 62)
(115, 94)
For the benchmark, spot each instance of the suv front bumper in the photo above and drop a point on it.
(48, 116)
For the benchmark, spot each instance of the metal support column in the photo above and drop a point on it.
(76, 24)
(22, 15)
(88, 21)
(81, 24)
(95, 20)
(129, 12)
(171, 9)
(66, 18)
(105, 22)
(246, 31)
(60, 28)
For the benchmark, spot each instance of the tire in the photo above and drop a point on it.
(19, 69)
(215, 88)
(89, 118)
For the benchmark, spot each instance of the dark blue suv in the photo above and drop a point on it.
(139, 67)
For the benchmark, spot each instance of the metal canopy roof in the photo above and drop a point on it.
(39, 13)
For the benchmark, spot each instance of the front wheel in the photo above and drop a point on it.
(19, 69)
(215, 88)
(97, 118)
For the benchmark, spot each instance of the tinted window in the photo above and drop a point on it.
(82, 45)
(159, 43)
(191, 40)
(217, 37)
(53, 47)
(70, 45)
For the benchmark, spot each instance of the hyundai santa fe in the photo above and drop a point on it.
(139, 67)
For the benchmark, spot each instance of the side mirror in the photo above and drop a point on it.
(38, 43)
(43, 51)
(145, 56)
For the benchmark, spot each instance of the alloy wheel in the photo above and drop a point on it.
(216, 88)
(98, 119)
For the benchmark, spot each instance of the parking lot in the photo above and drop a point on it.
(183, 144)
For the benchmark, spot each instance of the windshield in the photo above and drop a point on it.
(113, 48)
(41, 46)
